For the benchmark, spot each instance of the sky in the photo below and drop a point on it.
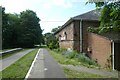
(53, 13)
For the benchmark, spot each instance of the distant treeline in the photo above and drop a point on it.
(21, 30)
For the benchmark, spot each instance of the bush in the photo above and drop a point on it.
(53, 44)
(94, 30)
(84, 59)
(70, 55)
(80, 57)
(60, 50)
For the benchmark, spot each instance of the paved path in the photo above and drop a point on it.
(10, 60)
(93, 71)
(46, 67)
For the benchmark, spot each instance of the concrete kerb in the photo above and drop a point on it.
(32, 65)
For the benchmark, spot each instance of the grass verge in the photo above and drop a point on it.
(10, 54)
(75, 74)
(20, 68)
(70, 60)
(73, 61)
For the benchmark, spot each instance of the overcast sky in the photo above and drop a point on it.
(53, 13)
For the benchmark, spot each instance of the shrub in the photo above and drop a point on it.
(70, 55)
(94, 30)
(84, 59)
(60, 50)
(53, 44)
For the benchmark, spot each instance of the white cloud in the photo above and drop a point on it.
(62, 3)
(21, 5)
(15, 5)
(56, 3)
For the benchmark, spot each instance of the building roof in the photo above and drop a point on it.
(114, 36)
(91, 16)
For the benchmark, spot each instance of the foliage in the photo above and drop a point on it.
(86, 60)
(94, 30)
(55, 29)
(59, 50)
(110, 16)
(30, 29)
(5, 28)
(80, 57)
(70, 55)
(103, 29)
(51, 41)
(21, 30)
(65, 57)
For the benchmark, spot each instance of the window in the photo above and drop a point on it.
(64, 36)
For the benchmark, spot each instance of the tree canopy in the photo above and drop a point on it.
(55, 29)
(110, 16)
(21, 30)
(30, 28)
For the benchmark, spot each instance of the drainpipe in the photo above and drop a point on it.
(113, 52)
(81, 36)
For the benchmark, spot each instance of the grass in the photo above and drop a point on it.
(10, 54)
(68, 59)
(20, 68)
(75, 74)
(76, 60)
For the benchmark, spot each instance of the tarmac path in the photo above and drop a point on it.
(46, 67)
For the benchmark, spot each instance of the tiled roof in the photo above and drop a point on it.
(114, 36)
(91, 15)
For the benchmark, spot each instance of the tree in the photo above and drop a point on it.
(10, 30)
(14, 26)
(21, 30)
(110, 16)
(31, 33)
(0, 27)
(51, 41)
(55, 29)
(5, 29)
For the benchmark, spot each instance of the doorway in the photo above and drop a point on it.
(117, 56)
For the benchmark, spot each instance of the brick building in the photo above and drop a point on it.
(105, 49)
(73, 34)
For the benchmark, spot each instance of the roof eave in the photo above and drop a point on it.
(69, 21)
(63, 26)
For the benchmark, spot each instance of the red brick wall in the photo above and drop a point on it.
(101, 49)
(73, 34)
(68, 43)
(77, 35)
(85, 25)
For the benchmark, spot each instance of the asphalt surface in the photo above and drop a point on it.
(54, 70)
(37, 70)
(10, 60)
(46, 67)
